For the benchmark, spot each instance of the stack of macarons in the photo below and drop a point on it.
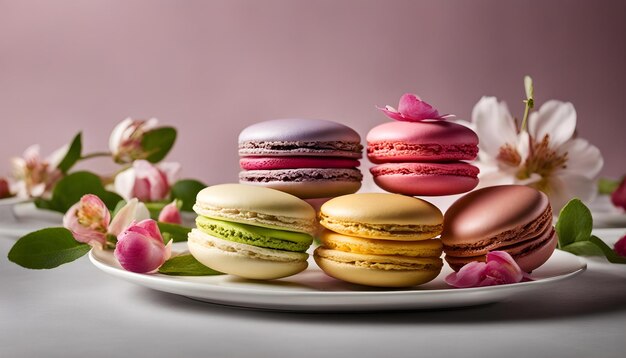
(421, 153)
(512, 218)
(252, 232)
(380, 239)
(309, 158)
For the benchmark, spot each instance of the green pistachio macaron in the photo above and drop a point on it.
(252, 232)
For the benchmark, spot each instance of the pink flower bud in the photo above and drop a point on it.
(125, 140)
(412, 109)
(145, 181)
(170, 214)
(140, 247)
(619, 195)
(5, 192)
(499, 269)
(88, 220)
(620, 246)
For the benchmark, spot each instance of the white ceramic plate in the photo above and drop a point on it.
(312, 290)
(605, 214)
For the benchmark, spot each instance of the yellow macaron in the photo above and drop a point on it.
(382, 216)
(383, 240)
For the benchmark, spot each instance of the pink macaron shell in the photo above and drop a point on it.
(269, 163)
(426, 179)
(435, 141)
(534, 259)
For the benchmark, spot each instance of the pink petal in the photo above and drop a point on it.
(499, 269)
(391, 114)
(620, 246)
(152, 229)
(170, 214)
(618, 197)
(139, 253)
(469, 275)
(142, 189)
(414, 109)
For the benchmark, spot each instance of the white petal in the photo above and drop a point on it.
(124, 183)
(564, 188)
(582, 158)
(32, 153)
(556, 119)
(117, 135)
(123, 218)
(150, 124)
(523, 145)
(141, 212)
(494, 125)
(56, 157)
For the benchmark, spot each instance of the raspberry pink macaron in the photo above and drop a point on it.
(309, 158)
(423, 157)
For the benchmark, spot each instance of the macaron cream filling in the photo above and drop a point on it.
(255, 235)
(301, 147)
(301, 175)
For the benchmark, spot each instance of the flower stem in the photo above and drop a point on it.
(95, 155)
(529, 101)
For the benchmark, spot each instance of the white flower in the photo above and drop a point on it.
(548, 156)
(33, 176)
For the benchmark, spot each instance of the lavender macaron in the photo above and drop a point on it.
(309, 158)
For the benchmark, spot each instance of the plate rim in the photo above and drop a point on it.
(160, 278)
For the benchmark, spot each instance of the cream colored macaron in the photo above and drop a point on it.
(255, 205)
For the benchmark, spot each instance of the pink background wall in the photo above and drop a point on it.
(211, 68)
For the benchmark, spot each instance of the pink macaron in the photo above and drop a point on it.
(426, 178)
(423, 158)
(426, 141)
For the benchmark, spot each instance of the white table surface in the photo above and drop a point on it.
(78, 311)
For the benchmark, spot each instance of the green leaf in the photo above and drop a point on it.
(186, 265)
(73, 154)
(608, 186)
(186, 190)
(155, 208)
(583, 248)
(175, 232)
(574, 224)
(71, 188)
(610, 254)
(158, 142)
(47, 248)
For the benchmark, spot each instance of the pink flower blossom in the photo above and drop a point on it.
(146, 181)
(5, 191)
(620, 246)
(125, 140)
(34, 176)
(88, 220)
(170, 214)
(618, 197)
(140, 247)
(412, 109)
(499, 269)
